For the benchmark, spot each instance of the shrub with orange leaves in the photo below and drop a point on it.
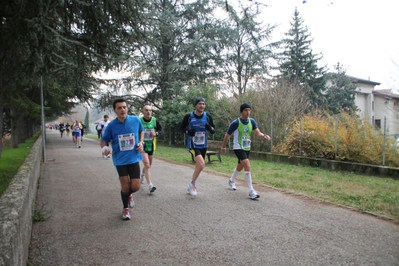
(342, 137)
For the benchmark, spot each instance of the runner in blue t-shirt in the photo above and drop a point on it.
(127, 135)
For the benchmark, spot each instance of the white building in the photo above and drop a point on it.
(378, 107)
(386, 110)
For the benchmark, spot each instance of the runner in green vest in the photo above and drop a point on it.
(241, 129)
(152, 128)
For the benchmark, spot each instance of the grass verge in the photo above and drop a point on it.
(12, 159)
(375, 195)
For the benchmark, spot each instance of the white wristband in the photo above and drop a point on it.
(105, 148)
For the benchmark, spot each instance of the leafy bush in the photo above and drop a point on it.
(341, 137)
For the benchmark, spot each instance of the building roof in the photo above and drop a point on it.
(358, 80)
(387, 93)
(364, 81)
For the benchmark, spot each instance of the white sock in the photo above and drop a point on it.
(248, 178)
(234, 175)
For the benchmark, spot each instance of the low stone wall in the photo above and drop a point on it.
(366, 169)
(16, 209)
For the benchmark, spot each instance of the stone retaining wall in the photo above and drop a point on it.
(358, 168)
(16, 209)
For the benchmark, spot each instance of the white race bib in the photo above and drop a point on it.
(199, 138)
(246, 142)
(147, 134)
(126, 142)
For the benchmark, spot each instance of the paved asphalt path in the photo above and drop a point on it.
(80, 193)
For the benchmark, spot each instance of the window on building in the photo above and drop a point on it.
(378, 123)
(372, 105)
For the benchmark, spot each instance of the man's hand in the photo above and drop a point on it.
(210, 128)
(140, 146)
(266, 137)
(106, 150)
(191, 132)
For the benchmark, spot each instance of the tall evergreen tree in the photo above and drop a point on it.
(298, 63)
(87, 121)
(341, 92)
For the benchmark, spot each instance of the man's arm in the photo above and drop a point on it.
(141, 137)
(158, 128)
(105, 148)
(102, 144)
(140, 145)
(225, 139)
(184, 123)
(210, 120)
(261, 135)
(210, 126)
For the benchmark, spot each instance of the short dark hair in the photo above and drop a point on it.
(199, 99)
(244, 106)
(118, 101)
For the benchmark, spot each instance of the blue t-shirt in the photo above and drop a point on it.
(125, 137)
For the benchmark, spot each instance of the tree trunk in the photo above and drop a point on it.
(1, 91)
(23, 132)
(14, 128)
(1, 110)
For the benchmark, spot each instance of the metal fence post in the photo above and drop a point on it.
(271, 135)
(43, 122)
(300, 136)
(385, 136)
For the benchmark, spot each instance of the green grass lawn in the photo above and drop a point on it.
(12, 159)
(366, 193)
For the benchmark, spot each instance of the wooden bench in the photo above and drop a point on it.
(213, 149)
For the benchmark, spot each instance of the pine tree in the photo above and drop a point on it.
(298, 63)
(87, 121)
(340, 94)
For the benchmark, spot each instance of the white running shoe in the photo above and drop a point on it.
(232, 185)
(151, 188)
(126, 214)
(253, 195)
(192, 189)
(131, 201)
(142, 178)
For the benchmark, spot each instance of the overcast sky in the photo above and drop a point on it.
(363, 35)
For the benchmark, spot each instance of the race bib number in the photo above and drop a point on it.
(246, 142)
(147, 134)
(126, 142)
(199, 138)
